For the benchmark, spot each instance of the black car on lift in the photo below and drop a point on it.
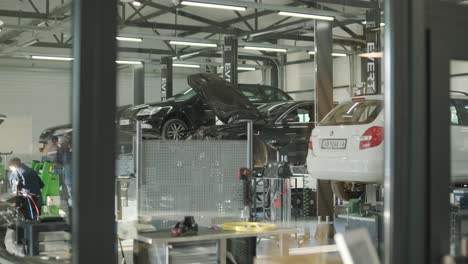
(187, 111)
(61, 130)
(279, 127)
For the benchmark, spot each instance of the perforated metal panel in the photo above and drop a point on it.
(197, 178)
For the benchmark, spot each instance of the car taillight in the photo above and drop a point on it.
(311, 147)
(371, 138)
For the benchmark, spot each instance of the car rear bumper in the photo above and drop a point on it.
(344, 169)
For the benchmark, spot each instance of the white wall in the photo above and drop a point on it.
(36, 99)
(459, 82)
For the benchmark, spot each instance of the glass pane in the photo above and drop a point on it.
(35, 131)
(186, 165)
(459, 153)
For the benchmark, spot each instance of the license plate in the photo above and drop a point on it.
(334, 144)
(124, 122)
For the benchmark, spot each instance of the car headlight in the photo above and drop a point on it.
(149, 111)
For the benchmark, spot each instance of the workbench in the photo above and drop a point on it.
(161, 241)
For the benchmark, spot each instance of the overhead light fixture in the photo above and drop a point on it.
(382, 24)
(186, 65)
(339, 54)
(265, 49)
(189, 55)
(128, 62)
(246, 68)
(40, 57)
(303, 15)
(1, 22)
(129, 39)
(311, 52)
(371, 55)
(136, 3)
(210, 5)
(41, 24)
(29, 43)
(197, 44)
(175, 58)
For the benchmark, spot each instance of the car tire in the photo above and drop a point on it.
(173, 129)
(344, 191)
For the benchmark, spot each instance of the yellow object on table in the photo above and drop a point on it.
(247, 226)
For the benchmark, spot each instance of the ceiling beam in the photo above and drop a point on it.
(170, 9)
(350, 3)
(190, 28)
(241, 19)
(120, 49)
(23, 14)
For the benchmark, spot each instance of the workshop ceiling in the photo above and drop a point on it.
(44, 27)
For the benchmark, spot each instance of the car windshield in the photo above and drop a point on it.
(274, 109)
(185, 95)
(353, 113)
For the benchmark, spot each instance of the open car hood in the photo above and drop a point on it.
(222, 97)
(2, 118)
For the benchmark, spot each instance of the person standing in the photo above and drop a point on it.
(27, 185)
(51, 151)
(66, 154)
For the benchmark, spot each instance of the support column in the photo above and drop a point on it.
(166, 78)
(138, 84)
(93, 115)
(323, 101)
(274, 74)
(373, 65)
(230, 59)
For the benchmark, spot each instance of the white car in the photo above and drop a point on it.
(346, 147)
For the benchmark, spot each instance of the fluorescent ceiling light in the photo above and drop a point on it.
(371, 55)
(54, 58)
(189, 55)
(136, 3)
(210, 5)
(1, 22)
(382, 24)
(188, 43)
(246, 68)
(339, 54)
(129, 39)
(311, 52)
(43, 23)
(39, 57)
(29, 43)
(265, 49)
(186, 65)
(311, 16)
(128, 62)
(175, 58)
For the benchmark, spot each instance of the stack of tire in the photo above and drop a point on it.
(297, 199)
(309, 204)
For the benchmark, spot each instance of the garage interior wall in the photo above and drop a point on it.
(300, 80)
(27, 98)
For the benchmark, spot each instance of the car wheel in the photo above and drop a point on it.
(174, 129)
(346, 190)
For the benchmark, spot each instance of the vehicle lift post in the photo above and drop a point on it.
(166, 78)
(230, 59)
(323, 64)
